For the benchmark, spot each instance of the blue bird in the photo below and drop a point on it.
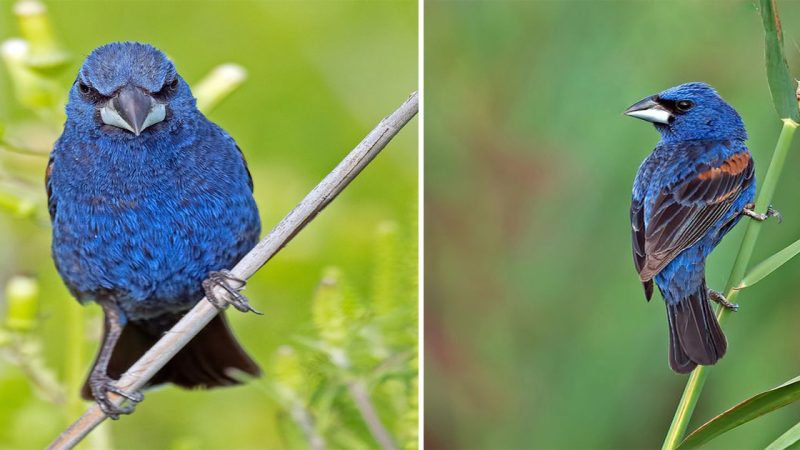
(150, 202)
(692, 190)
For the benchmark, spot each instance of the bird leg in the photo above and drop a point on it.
(771, 212)
(717, 297)
(99, 381)
(232, 286)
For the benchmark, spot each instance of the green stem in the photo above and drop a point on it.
(694, 385)
(762, 202)
(75, 360)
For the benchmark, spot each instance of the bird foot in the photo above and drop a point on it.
(771, 212)
(717, 297)
(232, 286)
(101, 385)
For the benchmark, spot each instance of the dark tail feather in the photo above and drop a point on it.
(203, 363)
(206, 361)
(694, 333)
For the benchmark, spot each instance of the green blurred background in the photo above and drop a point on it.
(537, 331)
(321, 75)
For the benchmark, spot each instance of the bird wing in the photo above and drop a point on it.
(637, 235)
(227, 137)
(684, 211)
(51, 201)
(246, 167)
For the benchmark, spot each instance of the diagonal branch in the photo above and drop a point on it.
(155, 358)
(358, 392)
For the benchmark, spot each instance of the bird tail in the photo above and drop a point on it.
(695, 336)
(204, 362)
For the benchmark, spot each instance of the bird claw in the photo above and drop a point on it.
(101, 385)
(771, 212)
(717, 297)
(232, 286)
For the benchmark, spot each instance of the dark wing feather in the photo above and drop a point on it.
(637, 236)
(683, 212)
(51, 202)
(246, 168)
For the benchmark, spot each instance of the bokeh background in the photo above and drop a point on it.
(537, 331)
(320, 76)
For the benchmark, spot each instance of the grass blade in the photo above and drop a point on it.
(769, 265)
(781, 85)
(752, 408)
(786, 440)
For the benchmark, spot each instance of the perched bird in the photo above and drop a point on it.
(692, 189)
(150, 202)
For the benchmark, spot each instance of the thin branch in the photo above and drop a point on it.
(27, 356)
(191, 324)
(302, 417)
(358, 392)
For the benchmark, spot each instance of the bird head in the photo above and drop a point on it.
(125, 89)
(688, 112)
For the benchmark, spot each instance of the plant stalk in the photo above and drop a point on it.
(75, 358)
(694, 386)
(358, 392)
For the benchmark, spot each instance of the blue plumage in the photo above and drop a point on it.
(691, 190)
(147, 197)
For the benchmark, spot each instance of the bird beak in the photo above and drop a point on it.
(650, 110)
(133, 110)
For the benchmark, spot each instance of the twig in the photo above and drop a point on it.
(191, 324)
(26, 356)
(359, 394)
(303, 419)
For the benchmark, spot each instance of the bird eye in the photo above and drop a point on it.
(166, 91)
(90, 94)
(684, 105)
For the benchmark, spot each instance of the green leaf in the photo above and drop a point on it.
(781, 84)
(744, 412)
(786, 440)
(769, 265)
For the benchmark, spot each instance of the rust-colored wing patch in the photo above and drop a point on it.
(734, 165)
